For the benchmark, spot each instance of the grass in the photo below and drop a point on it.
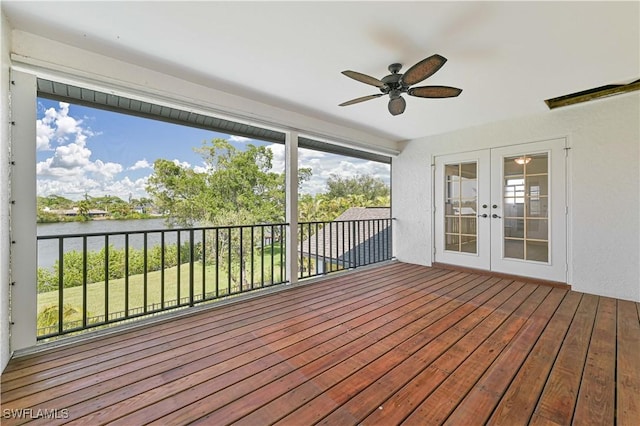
(118, 293)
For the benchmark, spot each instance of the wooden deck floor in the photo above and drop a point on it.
(394, 344)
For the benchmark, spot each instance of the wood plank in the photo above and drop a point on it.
(596, 399)
(232, 351)
(481, 400)
(403, 402)
(512, 277)
(232, 311)
(338, 392)
(558, 399)
(205, 374)
(366, 401)
(384, 345)
(192, 335)
(521, 397)
(271, 401)
(628, 358)
(437, 407)
(74, 353)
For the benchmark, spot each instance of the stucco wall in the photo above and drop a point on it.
(603, 179)
(5, 37)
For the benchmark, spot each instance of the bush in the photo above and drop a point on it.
(73, 264)
(48, 317)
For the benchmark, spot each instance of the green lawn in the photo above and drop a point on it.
(73, 297)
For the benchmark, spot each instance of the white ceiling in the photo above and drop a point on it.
(508, 57)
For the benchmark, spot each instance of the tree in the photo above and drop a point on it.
(176, 192)
(54, 202)
(233, 181)
(342, 193)
(236, 187)
(368, 187)
(83, 209)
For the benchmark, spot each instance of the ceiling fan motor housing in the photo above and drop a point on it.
(392, 82)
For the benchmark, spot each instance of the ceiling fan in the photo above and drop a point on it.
(395, 84)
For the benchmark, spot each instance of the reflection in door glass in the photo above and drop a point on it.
(461, 205)
(526, 207)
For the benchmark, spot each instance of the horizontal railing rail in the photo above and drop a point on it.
(331, 246)
(96, 279)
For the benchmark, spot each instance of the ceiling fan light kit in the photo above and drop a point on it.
(395, 84)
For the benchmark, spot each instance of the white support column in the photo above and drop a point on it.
(23, 297)
(291, 189)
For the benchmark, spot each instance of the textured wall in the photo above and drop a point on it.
(603, 179)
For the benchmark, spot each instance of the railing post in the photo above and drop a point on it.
(291, 205)
(191, 269)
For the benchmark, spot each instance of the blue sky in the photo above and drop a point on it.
(85, 150)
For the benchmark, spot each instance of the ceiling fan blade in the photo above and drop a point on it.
(363, 78)
(397, 105)
(423, 69)
(434, 91)
(362, 99)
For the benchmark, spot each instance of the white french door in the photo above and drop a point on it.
(503, 210)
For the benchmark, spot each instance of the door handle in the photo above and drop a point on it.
(495, 216)
(482, 215)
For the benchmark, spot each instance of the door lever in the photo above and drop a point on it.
(482, 215)
(495, 216)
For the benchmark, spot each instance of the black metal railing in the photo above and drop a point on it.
(97, 279)
(101, 278)
(326, 247)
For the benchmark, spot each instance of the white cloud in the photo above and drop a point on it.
(71, 171)
(105, 170)
(277, 162)
(44, 133)
(241, 139)
(323, 165)
(182, 164)
(71, 156)
(126, 187)
(141, 164)
(202, 169)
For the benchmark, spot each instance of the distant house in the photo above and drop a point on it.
(94, 213)
(359, 236)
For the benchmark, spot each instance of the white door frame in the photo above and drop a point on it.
(556, 269)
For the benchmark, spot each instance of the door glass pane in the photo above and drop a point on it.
(538, 251)
(537, 187)
(514, 249)
(468, 244)
(538, 229)
(452, 242)
(526, 207)
(461, 206)
(538, 164)
(513, 228)
(468, 170)
(511, 168)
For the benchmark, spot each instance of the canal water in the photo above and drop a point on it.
(48, 249)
